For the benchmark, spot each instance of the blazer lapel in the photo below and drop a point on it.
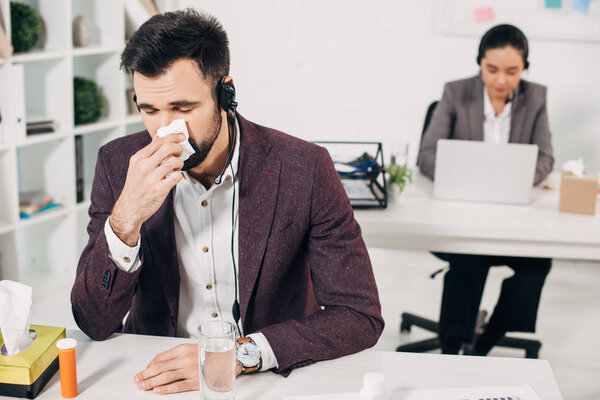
(160, 231)
(259, 185)
(475, 111)
(517, 116)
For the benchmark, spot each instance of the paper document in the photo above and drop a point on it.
(357, 189)
(522, 392)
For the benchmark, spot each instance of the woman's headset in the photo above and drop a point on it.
(483, 45)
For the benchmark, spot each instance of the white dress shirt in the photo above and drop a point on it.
(203, 234)
(496, 129)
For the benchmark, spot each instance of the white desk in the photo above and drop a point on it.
(416, 221)
(105, 370)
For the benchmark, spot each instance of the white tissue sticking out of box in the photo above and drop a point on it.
(178, 126)
(15, 307)
(575, 167)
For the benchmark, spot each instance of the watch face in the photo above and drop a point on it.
(248, 354)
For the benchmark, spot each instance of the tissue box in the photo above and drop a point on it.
(578, 195)
(25, 374)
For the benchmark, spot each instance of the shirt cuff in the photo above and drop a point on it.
(266, 352)
(125, 258)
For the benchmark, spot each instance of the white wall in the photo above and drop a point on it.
(366, 70)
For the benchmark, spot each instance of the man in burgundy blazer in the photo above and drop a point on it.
(305, 277)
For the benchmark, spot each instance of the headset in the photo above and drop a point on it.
(511, 29)
(226, 101)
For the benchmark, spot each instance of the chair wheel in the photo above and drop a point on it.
(405, 327)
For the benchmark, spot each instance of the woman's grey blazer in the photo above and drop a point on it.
(459, 115)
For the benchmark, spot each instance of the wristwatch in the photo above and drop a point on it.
(248, 355)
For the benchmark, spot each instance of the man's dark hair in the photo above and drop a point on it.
(501, 36)
(165, 38)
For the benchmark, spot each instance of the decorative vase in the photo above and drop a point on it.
(82, 31)
(393, 192)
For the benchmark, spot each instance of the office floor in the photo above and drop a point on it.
(568, 320)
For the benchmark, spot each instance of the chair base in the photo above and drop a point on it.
(531, 346)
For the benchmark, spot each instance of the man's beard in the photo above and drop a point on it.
(202, 149)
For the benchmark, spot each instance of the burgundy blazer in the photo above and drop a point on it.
(305, 278)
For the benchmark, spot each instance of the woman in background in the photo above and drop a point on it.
(495, 106)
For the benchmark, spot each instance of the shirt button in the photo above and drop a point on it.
(214, 315)
(127, 259)
(205, 249)
(204, 203)
(228, 178)
(209, 286)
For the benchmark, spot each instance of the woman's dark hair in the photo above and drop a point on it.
(167, 37)
(502, 36)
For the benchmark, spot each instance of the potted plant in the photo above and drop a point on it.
(25, 26)
(88, 101)
(398, 176)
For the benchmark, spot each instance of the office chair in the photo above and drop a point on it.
(531, 346)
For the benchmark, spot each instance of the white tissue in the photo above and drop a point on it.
(15, 307)
(575, 167)
(178, 126)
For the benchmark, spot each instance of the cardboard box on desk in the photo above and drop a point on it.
(578, 195)
(25, 374)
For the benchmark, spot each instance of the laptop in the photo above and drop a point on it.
(468, 170)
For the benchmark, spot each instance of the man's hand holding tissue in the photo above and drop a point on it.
(149, 180)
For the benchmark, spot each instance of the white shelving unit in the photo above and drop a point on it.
(47, 246)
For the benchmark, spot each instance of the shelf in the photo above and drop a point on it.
(42, 244)
(48, 88)
(43, 250)
(88, 153)
(84, 205)
(48, 167)
(9, 257)
(134, 123)
(82, 222)
(43, 217)
(107, 21)
(41, 138)
(5, 227)
(37, 55)
(95, 50)
(133, 119)
(97, 126)
(103, 69)
(8, 191)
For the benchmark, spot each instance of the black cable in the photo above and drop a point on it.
(235, 310)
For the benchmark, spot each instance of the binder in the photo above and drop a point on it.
(15, 122)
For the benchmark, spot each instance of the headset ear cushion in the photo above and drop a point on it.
(134, 98)
(226, 95)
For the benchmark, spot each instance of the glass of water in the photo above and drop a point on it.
(217, 360)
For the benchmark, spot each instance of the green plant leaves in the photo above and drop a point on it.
(25, 26)
(399, 175)
(88, 101)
